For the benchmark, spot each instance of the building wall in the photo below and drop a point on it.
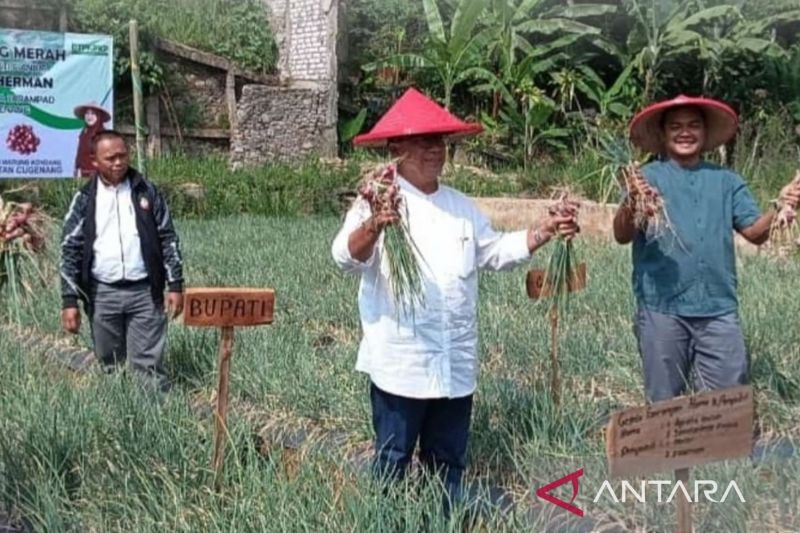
(297, 120)
(197, 94)
(306, 33)
(283, 123)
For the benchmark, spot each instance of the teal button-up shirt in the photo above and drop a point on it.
(691, 270)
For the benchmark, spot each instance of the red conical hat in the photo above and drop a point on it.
(721, 122)
(416, 114)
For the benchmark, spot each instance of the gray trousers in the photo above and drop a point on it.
(674, 347)
(127, 324)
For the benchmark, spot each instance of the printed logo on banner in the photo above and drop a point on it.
(90, 49)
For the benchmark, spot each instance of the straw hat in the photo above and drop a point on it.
(416, 114)
(721, 122)
(101, 113)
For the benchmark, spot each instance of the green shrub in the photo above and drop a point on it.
(236, 29)
(206, 187)
(270, 190)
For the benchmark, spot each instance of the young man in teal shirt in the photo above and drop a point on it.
(685, 280)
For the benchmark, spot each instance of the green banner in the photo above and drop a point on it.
(56, 92)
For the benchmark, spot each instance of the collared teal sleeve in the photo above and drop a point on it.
(745, 209)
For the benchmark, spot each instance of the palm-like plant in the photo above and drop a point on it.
(535, 31)
(525, 119)
(783, 78)
(453, 54)
(511, 22)
(532, 120)
(666, 29)
(525, 40)
(566, 86)
(731, 39)
(615, 103)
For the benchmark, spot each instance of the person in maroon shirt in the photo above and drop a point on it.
(95, 118)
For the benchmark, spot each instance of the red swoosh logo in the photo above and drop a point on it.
(544, 492)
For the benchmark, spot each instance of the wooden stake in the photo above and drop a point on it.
(153, 127)
(684, 507)
(220, 425)
(138, 109)
(555, 379)
(230, 98)
(63, 22)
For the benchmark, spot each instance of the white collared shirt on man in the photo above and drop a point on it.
(117, 248)
(433, 355)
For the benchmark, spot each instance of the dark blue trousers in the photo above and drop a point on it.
(441, 425)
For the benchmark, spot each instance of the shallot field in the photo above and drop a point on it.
(83, 451)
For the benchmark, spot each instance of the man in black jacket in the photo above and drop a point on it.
(119, 254)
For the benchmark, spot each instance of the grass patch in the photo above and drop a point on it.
(236, 29)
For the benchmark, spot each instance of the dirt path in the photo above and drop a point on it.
(596, 219)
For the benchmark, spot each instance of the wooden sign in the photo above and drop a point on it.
(228, 307)
(679, 433)
(535, 283)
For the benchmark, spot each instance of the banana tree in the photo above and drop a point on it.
(781, 78)
(511, 23)
(665, 29)
(522, 29)
(454, 54)
(730, 42)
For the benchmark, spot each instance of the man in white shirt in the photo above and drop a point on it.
(119, 254)
(423, 368)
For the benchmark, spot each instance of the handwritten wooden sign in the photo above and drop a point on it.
(228, 307)
(680, 433)
(535, 283)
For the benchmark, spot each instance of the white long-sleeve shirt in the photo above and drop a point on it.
(117, 248)
(433, 354)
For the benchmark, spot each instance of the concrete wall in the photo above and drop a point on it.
(306, 34)
(279, 124)
(299, 119)
(197, 93)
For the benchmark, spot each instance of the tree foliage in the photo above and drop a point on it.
(543, 74)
